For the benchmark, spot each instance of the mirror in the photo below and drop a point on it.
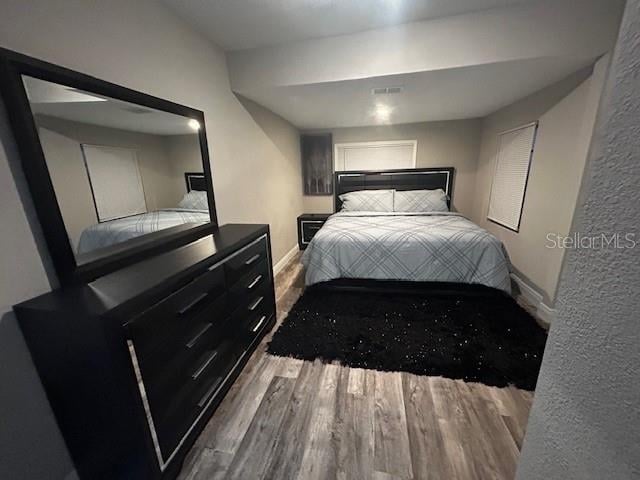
(123, 173)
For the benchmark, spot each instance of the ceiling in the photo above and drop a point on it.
(241, 24)
(315, 62)
(60, 101)
(447, 94)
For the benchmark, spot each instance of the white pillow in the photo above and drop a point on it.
(420, 201)
(194, 200)
(367, 201)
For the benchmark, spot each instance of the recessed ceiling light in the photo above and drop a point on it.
(194, 124)
(382, 112)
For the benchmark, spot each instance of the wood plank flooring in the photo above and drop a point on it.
(288, 419)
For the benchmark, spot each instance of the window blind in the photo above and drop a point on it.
(394, 154)
(515, 149)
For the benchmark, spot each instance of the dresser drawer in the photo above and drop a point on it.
(245, 260)
(156, 354)
(251, 324)
(309, 229)
(187, 344)
(308, 225)
(248, 284)
(164, 377)
(162, 328)
(246, 321)
(188, 402)
(254, 302)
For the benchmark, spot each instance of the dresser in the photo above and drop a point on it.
(308, 226)
(135, 362)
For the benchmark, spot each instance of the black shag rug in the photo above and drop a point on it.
(488, 339)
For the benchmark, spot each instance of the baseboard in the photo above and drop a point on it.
(543, 311)
(285, 260)
(546, 313)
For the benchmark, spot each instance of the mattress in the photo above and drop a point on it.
(115, 231)
(431, 246)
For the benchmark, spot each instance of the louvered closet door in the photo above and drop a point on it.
(115, 181)
(515, 149)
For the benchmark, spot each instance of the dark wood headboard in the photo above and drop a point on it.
(405, 179)
(195, 181)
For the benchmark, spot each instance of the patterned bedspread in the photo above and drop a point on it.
(442, 246)
(116, 231)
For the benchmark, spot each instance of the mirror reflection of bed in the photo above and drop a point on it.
(123, 173)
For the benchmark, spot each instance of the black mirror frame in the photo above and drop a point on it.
(12, 66)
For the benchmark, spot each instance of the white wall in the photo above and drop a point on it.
(566, 114)
(440, 144)
(143, 46)
(585, 419)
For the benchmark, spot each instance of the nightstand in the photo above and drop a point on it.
(308, 225)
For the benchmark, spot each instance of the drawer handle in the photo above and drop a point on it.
(255, 282)
(205, 398)
(252, 259)
(193, 303)
(204, 365)
(197, 336)
(255, 304)
(259, 324)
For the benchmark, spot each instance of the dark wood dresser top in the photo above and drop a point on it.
(142, 282)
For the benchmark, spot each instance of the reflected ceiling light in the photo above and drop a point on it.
(382, 112)
(194, 124)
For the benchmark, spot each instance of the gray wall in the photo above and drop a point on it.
(585, 419)
(440, 144)
(143, 46)
(184, 155)
(286, 138)
(28, 424)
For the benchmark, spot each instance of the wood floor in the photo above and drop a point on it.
(288, 419)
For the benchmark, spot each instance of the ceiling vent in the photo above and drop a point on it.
(386, 90)
(137, 110)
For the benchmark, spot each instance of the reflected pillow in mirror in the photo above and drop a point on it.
(420, 201)
(194, 200)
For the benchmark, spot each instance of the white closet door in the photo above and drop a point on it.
(515, 149)
(383, 155)
(115, 181)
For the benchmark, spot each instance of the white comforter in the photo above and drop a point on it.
(430, 246)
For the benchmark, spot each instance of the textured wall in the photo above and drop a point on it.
(585, 421)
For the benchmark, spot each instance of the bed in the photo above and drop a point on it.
(427, 247)
(106, 234)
